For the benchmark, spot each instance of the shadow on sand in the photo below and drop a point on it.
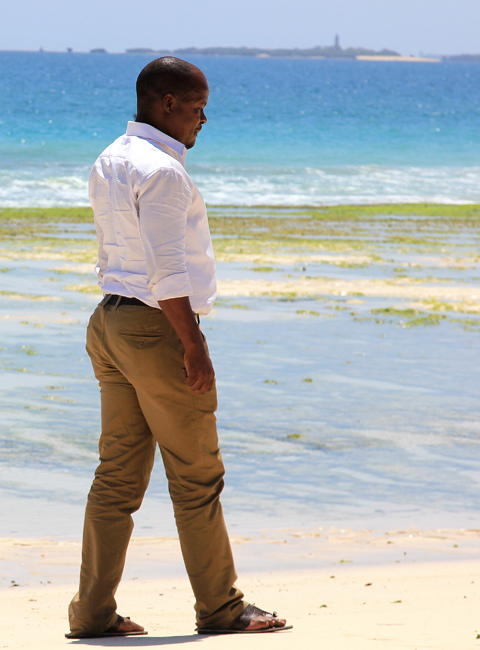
(137, 641)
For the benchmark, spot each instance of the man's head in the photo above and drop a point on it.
(171, 96)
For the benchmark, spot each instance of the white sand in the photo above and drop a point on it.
(400, 601)
(324, 286)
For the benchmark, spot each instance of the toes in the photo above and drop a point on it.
(258, 623)
(264, 622)
(127, 625)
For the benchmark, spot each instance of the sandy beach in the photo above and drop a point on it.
(403, 589)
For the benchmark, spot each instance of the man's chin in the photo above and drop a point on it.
(191, 143)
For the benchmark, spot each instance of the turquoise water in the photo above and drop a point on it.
(279, 132)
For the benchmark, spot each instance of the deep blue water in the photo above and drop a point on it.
(280, 131)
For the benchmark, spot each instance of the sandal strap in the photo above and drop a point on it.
(250, 611)
(116, 625)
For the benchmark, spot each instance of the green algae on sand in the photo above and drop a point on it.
(333, 229)
(381, 252)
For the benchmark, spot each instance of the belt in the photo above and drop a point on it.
(121, 300)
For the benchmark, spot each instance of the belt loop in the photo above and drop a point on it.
(198, 318)
(119, 300)
(105, 300)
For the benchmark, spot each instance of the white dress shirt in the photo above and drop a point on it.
(151, 221)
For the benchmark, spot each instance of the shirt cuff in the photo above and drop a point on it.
(176, 285)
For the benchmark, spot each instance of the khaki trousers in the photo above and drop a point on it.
(138, 360)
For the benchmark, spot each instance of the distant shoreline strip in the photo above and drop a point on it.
(410, 59)
(264, 55)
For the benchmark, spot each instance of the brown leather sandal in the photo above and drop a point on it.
(240, 624)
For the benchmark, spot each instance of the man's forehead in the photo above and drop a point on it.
(198, 91)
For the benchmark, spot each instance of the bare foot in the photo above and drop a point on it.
(127, 625)
(265, 621)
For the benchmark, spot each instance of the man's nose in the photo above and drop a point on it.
(203, 117)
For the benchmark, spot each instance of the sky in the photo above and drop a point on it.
(407, 26)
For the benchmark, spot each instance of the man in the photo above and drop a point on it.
(157, 272)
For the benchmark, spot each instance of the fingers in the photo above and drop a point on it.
(200, 384)
(199, 373)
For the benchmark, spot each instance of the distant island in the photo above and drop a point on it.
(462, 57)
(334, 51)
(310, 53)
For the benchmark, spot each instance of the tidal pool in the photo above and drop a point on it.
(335, 409)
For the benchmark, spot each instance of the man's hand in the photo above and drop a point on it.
(199, 373)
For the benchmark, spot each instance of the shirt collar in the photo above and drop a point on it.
(149, 132)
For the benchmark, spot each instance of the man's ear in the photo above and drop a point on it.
(169, 102)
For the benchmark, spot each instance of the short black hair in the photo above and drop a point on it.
(166, 75)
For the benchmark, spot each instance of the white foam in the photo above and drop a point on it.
(27, 189)
(272, 186)
(348, 184)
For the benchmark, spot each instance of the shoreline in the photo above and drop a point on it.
(316, 54)
(400, 602)
(31, 562)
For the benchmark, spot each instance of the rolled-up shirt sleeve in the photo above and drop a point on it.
(163, 200)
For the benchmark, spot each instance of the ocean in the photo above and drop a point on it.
(286, 131)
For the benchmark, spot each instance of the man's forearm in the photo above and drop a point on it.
(180, 314)
(199, 371)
